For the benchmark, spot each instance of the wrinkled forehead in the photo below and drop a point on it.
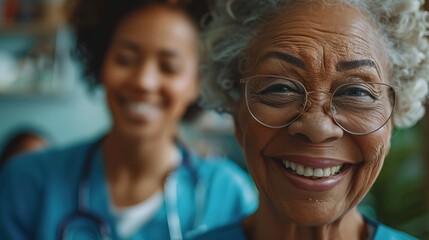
(319, 32)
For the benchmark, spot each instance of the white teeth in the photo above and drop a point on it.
(308, 172)
(143, 109)
(293, 166)
(311, 172)
(327, 172)
(300, 170)
(318, 172)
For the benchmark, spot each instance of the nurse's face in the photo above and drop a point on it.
(150, 71)
(322, 47)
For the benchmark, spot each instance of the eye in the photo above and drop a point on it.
(358, 96)
(125, 60)
(356, 91)
(169, 67)
(279, 86)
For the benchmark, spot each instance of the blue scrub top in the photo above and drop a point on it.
(38, 190)
(233, 231)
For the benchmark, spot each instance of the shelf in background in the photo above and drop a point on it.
(27, 28)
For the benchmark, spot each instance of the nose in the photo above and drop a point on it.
(146, 78)
(315, 124)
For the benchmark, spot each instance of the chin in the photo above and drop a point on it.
(313, 214)
(138, 132)
(314, 221)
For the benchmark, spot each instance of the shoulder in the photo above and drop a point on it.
(231, 231)
(222, 172)
(40, 165)
(30, 182)
(219, 167)
(227, 187)
(384, 232)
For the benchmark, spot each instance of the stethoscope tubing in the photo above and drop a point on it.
(170, 198)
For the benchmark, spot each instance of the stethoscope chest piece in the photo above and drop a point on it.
(82, 225)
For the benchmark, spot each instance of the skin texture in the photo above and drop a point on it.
(150, 77)
(320, 36)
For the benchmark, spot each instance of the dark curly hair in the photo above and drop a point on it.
(13, 143)
(94, 23)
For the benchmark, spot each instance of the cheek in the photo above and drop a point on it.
(374, 157)
(107, 78)
(181, 92)
(185, 83)
(111, 74)
(254, 138)
(184, 87)
(374, 148)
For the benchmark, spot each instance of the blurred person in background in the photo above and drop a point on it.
(21, 141)
(138, 181)
(315, 88)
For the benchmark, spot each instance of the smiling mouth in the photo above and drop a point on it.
(312, 173)
(142, 108)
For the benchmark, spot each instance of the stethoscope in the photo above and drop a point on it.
(100, 229)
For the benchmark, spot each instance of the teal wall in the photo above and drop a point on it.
(68, 114)
(77, 115)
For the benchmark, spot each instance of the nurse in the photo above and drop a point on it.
(138, 181)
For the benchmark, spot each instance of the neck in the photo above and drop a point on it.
(264, 224)
(136, 168)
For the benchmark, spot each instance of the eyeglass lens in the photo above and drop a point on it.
(358, 108)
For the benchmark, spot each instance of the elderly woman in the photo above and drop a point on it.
(314, 90)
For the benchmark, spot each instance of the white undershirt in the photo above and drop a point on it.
(130, 219)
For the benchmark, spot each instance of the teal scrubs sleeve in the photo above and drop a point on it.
(38, 190)
(19, 201)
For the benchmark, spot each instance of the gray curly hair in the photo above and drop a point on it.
(402, 23)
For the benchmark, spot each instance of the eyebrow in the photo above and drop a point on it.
(127, 45)
(285, 57)
(349, 65)
(170, 53)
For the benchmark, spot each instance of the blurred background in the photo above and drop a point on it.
(40, 89)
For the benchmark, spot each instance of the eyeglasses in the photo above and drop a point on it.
(358, 108)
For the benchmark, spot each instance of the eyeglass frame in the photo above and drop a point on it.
(395, 89)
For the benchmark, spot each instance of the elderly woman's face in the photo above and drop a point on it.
(321, 47)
